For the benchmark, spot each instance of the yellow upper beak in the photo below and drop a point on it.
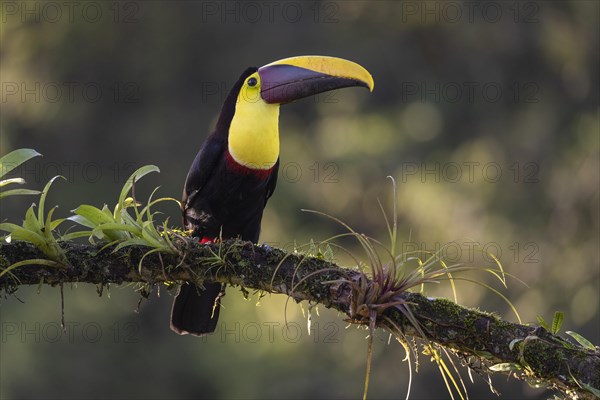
(297, 77)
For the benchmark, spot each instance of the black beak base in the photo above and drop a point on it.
(285, 83)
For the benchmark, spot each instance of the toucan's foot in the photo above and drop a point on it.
(208, 240)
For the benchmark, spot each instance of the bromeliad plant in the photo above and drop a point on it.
(122, 229)
(384, 281)
(37, 228)
(119, 227)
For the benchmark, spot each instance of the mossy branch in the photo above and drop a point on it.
(480, 338)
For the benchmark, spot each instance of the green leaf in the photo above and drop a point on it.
(109, 213)
(33, 261)
(542, 322)
(5, 182)
(34, 238)
(75, 235)
(31, 222)
(15, 158)
(8, 227)
(143, 257)
(10, 162)
(557, 321)
(328, 254)
(166, 235)
(14, 192)
(128, 219)
(499, 264)
(43, 197)
(136, 241)
(505, 367)
(136, 176)
(118, 228)
(91, 216)
(150, 234)
(591, 389)
(513, 342)
(51, 225)
(81, 221)
(146, 210)
(580, 339)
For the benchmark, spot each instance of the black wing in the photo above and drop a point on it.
(203, 167)
(272, 181)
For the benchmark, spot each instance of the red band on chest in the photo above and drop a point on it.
(238, 168)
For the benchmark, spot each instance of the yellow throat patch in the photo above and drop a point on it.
(254, 131)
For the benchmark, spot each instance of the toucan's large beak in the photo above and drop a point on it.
(294, 78)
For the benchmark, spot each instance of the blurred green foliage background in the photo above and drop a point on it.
(486, 114)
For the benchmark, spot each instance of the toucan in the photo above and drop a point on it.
(235, 171)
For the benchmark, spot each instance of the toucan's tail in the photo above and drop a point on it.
(196, 311)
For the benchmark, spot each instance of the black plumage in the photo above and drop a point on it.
(221, 199)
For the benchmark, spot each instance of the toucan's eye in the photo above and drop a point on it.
(252, 82)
